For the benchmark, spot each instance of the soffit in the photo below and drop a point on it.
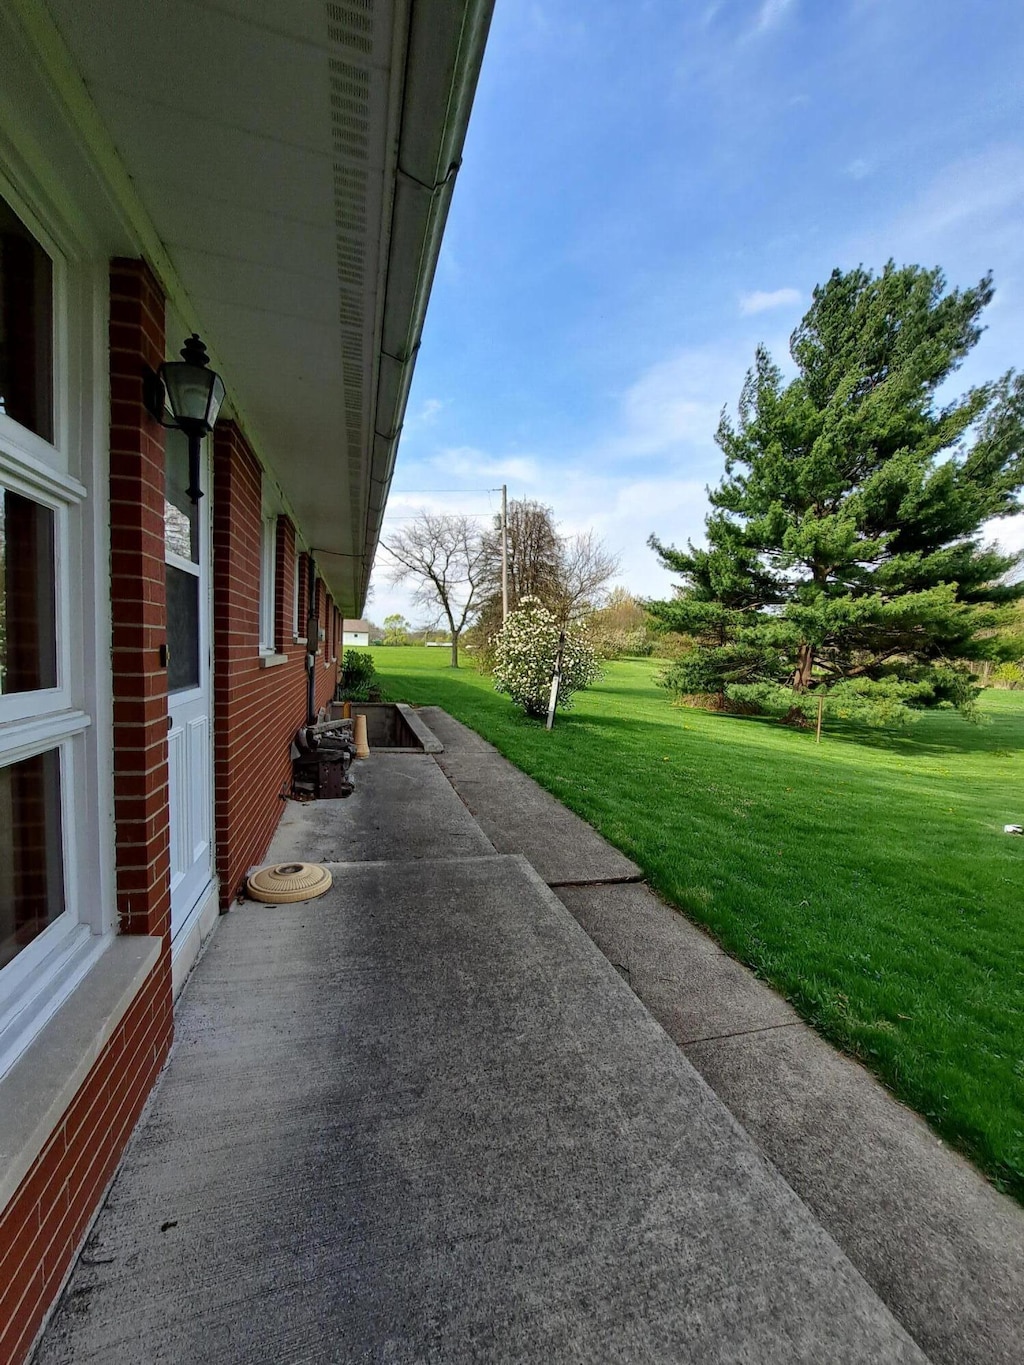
(261, 140)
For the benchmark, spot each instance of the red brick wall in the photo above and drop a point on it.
(137, 580)
(256, 710)
(42, 1226)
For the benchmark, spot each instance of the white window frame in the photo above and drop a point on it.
(35, 982)
(268, 581)
(300, 609)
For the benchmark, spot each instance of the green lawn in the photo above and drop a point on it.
(867, 878)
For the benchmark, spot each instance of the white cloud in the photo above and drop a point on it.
(675, 403)
(471, 464)
(424, 416)
(976, 199)
(771, 14)
(761, 300)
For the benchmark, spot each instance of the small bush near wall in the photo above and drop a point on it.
(358, 678)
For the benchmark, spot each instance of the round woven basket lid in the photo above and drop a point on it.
(288, 882)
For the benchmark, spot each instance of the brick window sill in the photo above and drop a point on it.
(272, 660)
(37, 1091)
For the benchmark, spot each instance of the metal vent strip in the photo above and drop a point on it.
(351, 24)
(351, 30)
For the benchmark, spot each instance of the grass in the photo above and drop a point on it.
(867, 878)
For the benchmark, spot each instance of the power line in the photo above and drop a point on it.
(489, 513)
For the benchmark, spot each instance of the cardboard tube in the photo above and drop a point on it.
(362, 748)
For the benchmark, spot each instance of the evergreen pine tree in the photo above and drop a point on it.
(844, 548)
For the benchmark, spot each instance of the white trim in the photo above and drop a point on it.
(297, 623)
(26, 1012)
(23, 473)
(268, 583)
(197, 928)
(39, 733)
(177, 561)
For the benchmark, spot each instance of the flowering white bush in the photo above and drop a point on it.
(524, 659)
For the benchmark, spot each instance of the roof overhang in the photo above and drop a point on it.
(294, 165)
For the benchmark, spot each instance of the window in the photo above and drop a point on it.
(45, 947)
(268, 580)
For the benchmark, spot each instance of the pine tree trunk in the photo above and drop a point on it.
(804, 668)
(802, 677)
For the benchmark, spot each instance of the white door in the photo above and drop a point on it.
(189, 751)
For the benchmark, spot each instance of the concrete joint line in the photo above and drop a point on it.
(599, 881)
(741, 1033)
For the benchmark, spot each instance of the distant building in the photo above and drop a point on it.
(355, 634)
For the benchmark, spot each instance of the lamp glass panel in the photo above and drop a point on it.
(216, 398)
(188, 389)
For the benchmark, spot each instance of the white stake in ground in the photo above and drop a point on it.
(556, 678)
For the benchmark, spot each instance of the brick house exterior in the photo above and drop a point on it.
(157, 661)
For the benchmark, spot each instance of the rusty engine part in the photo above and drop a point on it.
(321, 757)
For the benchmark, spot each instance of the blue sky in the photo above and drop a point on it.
(652, 187)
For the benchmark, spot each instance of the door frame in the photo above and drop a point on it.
(196, 922)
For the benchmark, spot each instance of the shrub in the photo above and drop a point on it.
(622, 644)
(1009, 675)
(524, 659)
(358, 676)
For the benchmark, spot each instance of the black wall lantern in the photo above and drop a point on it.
(193, 393)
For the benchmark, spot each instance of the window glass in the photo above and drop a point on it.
(268, 586)
(182, 629)
(31, 858)
(181, 515)
(26, 326)
(28, 601)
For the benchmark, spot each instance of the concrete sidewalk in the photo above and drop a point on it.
(424, 1119)
(941, 1247)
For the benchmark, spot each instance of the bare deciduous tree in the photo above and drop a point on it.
(443, 555)
(567, 573)
(584, 572)
(533, 551)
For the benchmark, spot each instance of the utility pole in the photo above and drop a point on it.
(504, 553)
